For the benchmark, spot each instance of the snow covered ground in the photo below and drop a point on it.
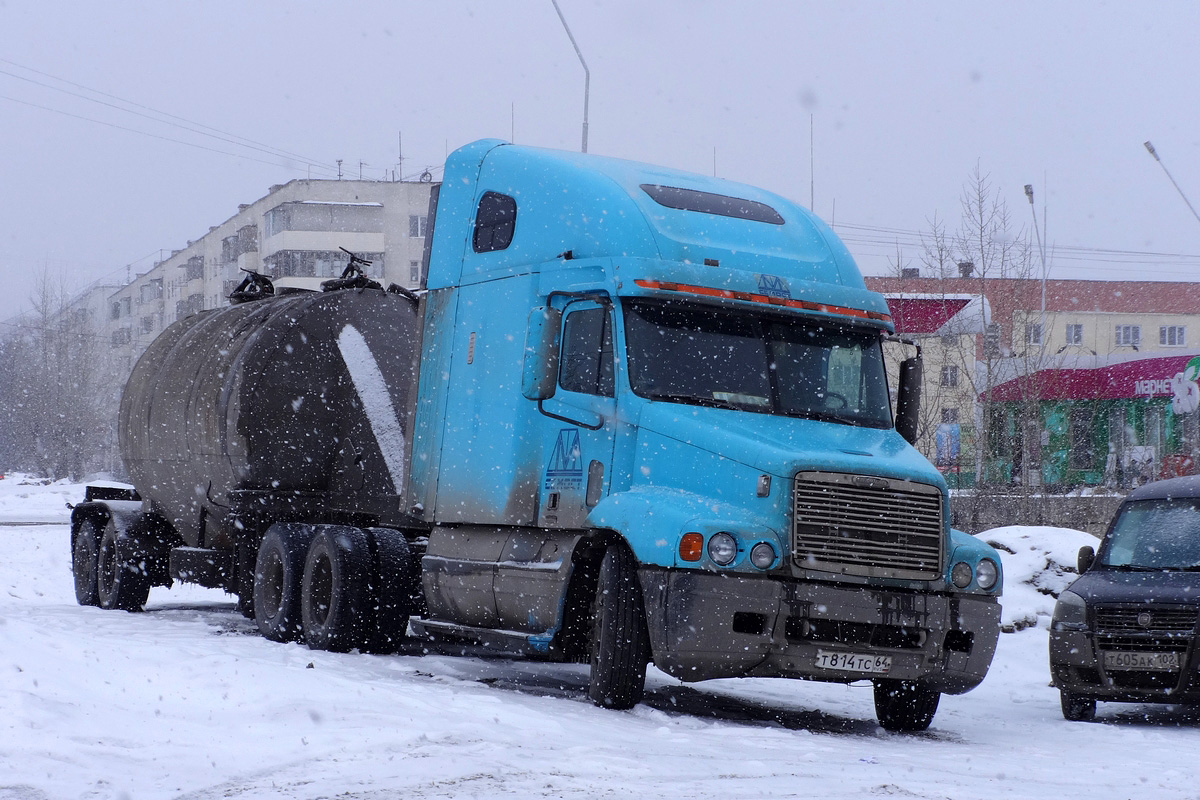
(187, 701)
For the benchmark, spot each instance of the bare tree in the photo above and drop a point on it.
(57, 400)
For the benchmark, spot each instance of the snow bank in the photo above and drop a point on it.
(1039, 562)
(24, 498)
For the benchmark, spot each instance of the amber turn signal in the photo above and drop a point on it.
(691, 547)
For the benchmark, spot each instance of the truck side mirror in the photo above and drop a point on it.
(908, 399)
(539, 376)
(1087, 557)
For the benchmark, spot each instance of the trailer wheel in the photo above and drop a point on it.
(335, 594)
(1076, 708)
(619, 643)
(85, 551)
(122, 580)
(394, 585)
(905, 706)
(278, 571)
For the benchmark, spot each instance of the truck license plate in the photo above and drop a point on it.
(854, 662)
(1151, 661)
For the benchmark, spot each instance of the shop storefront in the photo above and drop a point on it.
(1117, 424)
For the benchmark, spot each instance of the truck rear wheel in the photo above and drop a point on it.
(85, 551)
(905, 706)
(335, 593)
(122, 581)
(619, 643)
(278, 572)
(1076, 708)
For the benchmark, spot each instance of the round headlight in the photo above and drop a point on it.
(762, 555)
(986, 574)
(722, 549)
(961, 575)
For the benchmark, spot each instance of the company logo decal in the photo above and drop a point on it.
(774, 286)
(1185, 390)
(565, 470)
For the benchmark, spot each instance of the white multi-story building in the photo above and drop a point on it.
(299, 229)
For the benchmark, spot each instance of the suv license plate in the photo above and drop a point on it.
(1150, 661)
(854, 662)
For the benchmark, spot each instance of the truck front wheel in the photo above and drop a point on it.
(278, 571)
(85, 551)
(122, 580)
(619, 644)
(905, 706)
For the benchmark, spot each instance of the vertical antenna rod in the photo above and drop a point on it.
(587, 74)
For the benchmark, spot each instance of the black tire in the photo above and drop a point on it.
(394, 586)
(619, 646)
(278, 572)
(335, 596)
(905, 706)
(85, 551)
(122, 580)
(1076, 708)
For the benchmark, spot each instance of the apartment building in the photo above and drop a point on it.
(301, 229)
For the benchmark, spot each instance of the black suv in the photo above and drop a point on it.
(1124, 631)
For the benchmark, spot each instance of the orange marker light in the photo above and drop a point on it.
(751, 297)
(691, 547)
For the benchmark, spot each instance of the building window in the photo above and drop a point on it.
(148, 323)
(418, 226)
(1075, 333)
(1033, 333)
(1128, 335)
(1082, 454)
(949, 376)
(1172, 335)
(949, 416)
(121, 337)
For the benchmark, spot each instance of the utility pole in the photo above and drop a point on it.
(587, 74)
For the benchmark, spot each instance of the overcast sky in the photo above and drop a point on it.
(903, 101)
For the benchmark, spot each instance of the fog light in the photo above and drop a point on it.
(986, 574)
(762, 555)
(722, 549)
(961, 575)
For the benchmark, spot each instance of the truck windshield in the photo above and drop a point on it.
(762, 362)
(1154, 534)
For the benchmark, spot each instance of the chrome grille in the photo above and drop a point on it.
(1156, 618)
(861, 525)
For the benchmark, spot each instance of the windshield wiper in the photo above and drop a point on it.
(829, 416)
(1133, 568)
(692, 399)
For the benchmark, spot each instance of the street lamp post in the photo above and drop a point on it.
(1153, 152)
(587, 74)
(1042, 252)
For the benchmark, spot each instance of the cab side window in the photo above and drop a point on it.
(586, 365)
(495, 222)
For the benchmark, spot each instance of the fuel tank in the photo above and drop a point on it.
(307, 395)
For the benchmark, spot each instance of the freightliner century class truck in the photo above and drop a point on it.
(633, 415)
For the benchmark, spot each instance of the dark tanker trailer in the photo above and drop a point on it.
(631, 415)
(289, 409)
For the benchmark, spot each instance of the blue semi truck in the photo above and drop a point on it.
(632, 416)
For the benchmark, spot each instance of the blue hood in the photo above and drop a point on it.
(780, 446)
